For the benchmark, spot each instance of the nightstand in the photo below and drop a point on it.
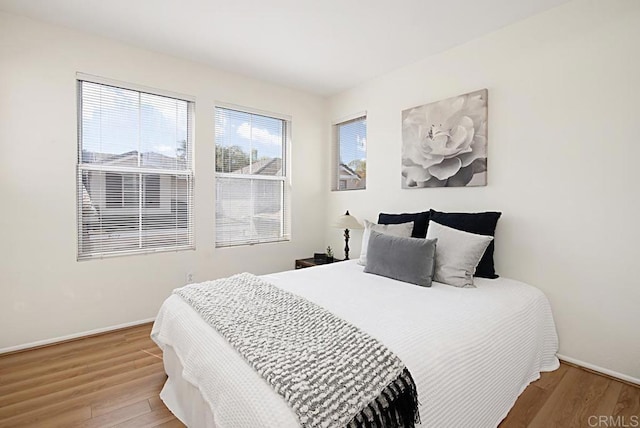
(310, 262)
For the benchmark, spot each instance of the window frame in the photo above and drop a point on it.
(285, 178)
(336, 180)
(140, 174)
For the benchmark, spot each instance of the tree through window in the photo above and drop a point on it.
(252, 187)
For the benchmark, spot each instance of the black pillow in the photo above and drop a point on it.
(420, 221)
(480, 223)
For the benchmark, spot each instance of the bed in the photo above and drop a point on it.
(471, 351)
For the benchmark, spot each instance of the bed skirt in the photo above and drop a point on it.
(182, 398)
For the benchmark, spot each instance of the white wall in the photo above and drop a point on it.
(564, 143)
(44, 292)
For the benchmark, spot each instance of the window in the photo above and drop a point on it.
(122, 190)
(135, 176)
(350, 168)
(152, 191)
(252, 187)
(114, 190)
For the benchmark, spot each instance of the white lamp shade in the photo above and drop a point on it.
(347, 221)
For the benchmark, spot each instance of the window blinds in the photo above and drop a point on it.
(351, 149)
(252, 187)
(134, 174)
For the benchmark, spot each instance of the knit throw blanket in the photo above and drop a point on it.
(330, 373)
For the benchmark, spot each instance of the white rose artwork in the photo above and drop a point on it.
(444, 144)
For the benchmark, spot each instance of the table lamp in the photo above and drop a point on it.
(346, 222)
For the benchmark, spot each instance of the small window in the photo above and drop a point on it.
(113, 188)
(152, 191)
(135, 176)
(252, 185)
(121, 190)
(350, 168)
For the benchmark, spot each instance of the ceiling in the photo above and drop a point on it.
(320, 46)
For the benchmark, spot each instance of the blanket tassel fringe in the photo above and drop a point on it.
(395, 407)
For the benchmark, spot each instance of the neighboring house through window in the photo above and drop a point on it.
(252, 184)
(350, 147)
(135, 175)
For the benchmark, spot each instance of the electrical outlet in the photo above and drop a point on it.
(189, 277)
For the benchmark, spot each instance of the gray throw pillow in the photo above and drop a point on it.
(457, 255)
(402, 229)
(405, 259)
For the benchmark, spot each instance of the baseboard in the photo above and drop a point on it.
(69, 337)
(602, 370)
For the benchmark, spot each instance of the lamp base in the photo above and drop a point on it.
(346, 244)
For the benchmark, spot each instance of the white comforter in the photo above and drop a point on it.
(471, 351)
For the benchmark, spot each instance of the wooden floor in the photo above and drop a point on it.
(114, 380)
(109, 380)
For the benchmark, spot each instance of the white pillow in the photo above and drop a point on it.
(457, 254)
(403, 229)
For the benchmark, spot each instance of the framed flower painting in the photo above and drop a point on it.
(444, 144)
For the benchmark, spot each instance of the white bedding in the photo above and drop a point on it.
(471, 351)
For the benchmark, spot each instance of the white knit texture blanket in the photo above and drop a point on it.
(331, 373)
